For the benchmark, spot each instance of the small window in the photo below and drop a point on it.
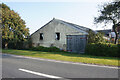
(41, 36)
(57, 36)
(107, 34)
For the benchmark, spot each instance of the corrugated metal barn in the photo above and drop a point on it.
(64, 35)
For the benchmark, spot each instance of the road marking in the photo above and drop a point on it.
(64, 62)
(40, 74)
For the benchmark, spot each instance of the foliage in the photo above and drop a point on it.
(0, 16)
(119, 41)
(119, 49)
(102, 49)
(110, 13)
(46, 49)
(95, 37)
(13, 27)
(19, 45)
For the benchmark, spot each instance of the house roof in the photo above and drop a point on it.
(77, 27)
(107, 31)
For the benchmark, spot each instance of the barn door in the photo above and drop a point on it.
(76, 43)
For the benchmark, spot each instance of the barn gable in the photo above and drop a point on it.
(71, 25)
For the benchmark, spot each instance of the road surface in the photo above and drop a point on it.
(24, 67)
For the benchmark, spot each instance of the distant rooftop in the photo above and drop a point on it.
(106, 32)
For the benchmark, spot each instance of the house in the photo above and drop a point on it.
(109, 34)
(105, 32)
(61, 34)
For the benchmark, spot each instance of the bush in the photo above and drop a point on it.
(46, 49)
(17, 45)
(118, 50)
(102, 49)
(95, 37)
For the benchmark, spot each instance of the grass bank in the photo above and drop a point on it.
(65, 56)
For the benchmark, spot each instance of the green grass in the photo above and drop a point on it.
(65, 56)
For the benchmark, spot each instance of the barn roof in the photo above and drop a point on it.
(75, 26)
(80, 28)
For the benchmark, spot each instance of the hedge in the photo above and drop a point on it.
(45, 49)
(102, 49)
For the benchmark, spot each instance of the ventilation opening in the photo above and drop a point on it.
(57, 36)
(41, 36)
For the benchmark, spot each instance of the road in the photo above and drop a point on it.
(24, 67)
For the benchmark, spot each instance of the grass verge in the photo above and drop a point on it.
(65, 56)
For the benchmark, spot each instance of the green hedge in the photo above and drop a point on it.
(45, 49)
(118, 50)
(102, 49)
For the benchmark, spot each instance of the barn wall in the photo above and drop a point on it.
(64, 30)
(35, 38)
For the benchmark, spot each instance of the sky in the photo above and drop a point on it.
(37, 13)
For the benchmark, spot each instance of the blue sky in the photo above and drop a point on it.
(36, 14)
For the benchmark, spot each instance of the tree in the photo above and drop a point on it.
(0, 29)
(95, 37)
(110, 13)
(13, 27)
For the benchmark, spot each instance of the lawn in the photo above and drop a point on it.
(65, 56)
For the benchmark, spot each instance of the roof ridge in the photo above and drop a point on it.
(73, 26)
(72, 23)
(42, 26)
(103, 29)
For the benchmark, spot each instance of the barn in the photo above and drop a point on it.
(64, 35)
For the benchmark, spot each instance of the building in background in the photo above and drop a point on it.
(107, 33)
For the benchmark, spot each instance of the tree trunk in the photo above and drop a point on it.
(116, 37)
(115, 30)
(6, 45)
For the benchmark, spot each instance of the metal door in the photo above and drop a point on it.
(76, 43)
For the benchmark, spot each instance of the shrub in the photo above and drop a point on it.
(46, 49)
(118, 50)
(102, 49)
(95, 37)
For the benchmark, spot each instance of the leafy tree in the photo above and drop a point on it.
(95, 37)
(13, 27)
(110, 13)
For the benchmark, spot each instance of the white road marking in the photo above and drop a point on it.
(40, 74)
(76, 63)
